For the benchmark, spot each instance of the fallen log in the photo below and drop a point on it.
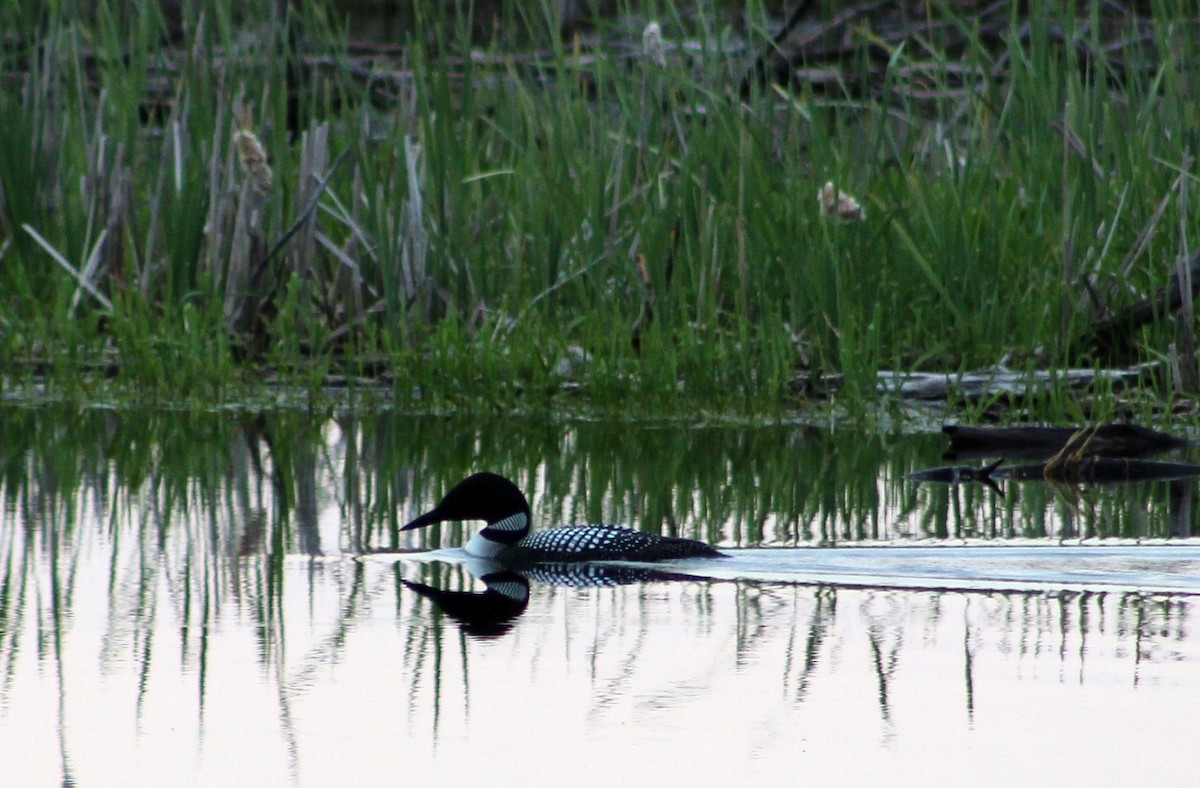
(1114, 336)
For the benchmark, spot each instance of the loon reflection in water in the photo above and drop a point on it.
(483, 614)
(493, 612)
(506, 537)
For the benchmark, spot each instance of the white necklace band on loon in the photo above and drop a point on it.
(514, 522)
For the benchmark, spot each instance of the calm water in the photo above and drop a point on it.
(189, 599)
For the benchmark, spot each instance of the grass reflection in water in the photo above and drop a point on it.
(186, 583)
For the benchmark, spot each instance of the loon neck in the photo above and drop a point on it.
(498, 536)
(482, 547)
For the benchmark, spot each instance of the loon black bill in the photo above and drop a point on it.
(429, 518)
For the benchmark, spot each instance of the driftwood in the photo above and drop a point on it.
(984, 384)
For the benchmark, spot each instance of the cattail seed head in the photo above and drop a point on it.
(653, 48)
(254, 160)
(839, 204)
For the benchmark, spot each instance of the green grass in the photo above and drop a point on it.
(498, 218)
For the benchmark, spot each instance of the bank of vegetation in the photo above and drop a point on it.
(202, 199)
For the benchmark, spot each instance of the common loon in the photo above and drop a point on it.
(495, 499)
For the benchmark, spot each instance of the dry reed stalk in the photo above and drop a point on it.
(249, 242)
(246, 247)
(106, 190)
(314, 161)
(1101, 294)
(1188, 379)
(119, 197)
(739, 229)
(145, 272)
(222, 202)
(347, 290)
(1141, 244)
(1069, 226)
(414, 243)
(95, 158)
(356, 242)
(1094, 299)
(43, 93)
(345, 285)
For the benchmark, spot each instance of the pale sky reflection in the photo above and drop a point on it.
(685, 682)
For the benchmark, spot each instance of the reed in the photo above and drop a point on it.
(526, 218)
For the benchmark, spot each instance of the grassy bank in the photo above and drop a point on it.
(535, 217)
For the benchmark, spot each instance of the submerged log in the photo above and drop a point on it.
(1086, 470)
(1033, 442)
(1099, 470)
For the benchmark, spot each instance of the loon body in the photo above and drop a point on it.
(506, 537)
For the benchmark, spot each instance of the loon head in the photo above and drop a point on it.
(483, 496)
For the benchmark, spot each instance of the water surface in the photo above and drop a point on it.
(190, 598)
